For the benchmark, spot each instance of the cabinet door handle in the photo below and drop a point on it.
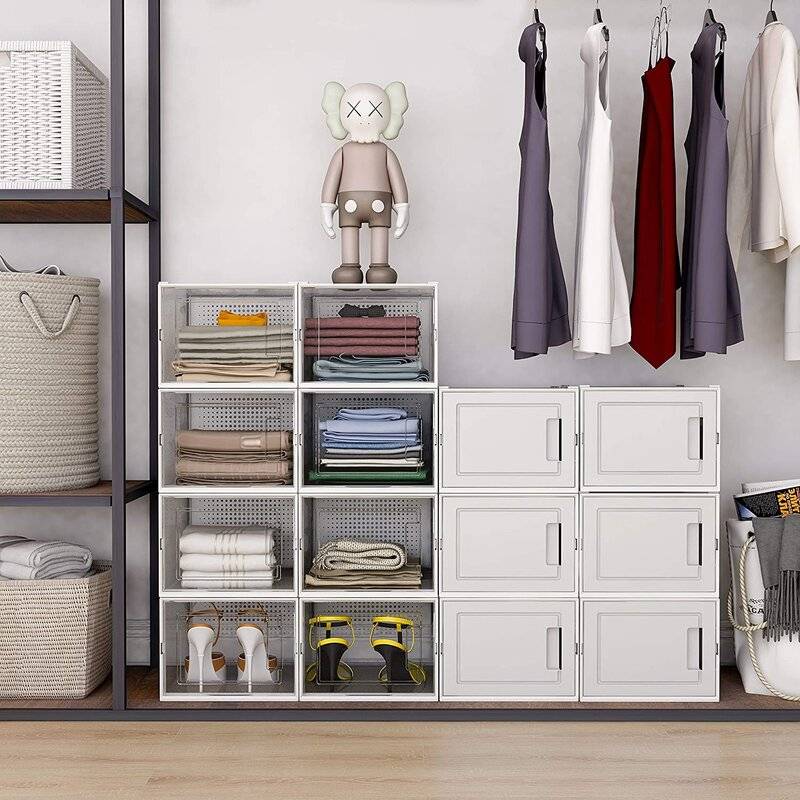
(554, 438)
(695, 435)
(694, 544)
(554, 651)
(552, 534)
(694, 648)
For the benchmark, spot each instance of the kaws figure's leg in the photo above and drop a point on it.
(350, 270)
(379, 270)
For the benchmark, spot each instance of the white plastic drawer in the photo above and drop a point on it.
(645, 439)
(649, 543)
(508, 544)
(649, 650)
(508, 649)
(508, 439)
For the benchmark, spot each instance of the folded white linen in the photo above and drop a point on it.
(225, 539)
(227, 583)
(36, 553)
(63, 569)
(226, 564)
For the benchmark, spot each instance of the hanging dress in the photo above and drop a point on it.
(656, 274)
(601, 317)
(540, 315)
(711, 315)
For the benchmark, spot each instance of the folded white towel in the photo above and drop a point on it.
(35, 553)
(65, 569)
(225, 539)
(226, 583)
(193, 574)
(199, 562)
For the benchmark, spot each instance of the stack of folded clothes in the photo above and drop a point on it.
(370, 445)
(240, 348)
(364, 348)
(223, 458)
(226, 557)
(363, 565)
(29, 559)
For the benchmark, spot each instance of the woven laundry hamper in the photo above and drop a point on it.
(54, 118)
(48, 382)
(55, 636)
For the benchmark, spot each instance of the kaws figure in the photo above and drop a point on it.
(364, 180)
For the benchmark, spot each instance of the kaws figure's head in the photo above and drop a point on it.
(365, 111)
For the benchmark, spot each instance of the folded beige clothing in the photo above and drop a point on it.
(234, 458)
(210, 371)
(193, 472)
(214, 333)
(234, 441)
(409, 576)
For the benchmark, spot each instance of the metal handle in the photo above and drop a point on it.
(694, 649)
(552, 555)
(694, 544)
(554, 641)
(553, 430)
(695, 438)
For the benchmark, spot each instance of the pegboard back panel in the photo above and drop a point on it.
(237, 412)
(403, 521)
(204, 310)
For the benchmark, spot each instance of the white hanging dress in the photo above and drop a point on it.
(601, 306)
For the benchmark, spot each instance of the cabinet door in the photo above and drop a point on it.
(649, 650)
(508, 544)
(508, 649)
(650, 438)
(508, 439)
(649, 543)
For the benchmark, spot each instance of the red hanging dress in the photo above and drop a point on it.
(656, 275)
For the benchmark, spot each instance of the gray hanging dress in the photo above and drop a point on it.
(711, 315)
(540, 316)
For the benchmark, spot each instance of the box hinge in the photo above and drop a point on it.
(716, 544)
(161, 648)
(298, 439)
(717, 437)
(577, 544)
(161, 543)
(160, 439)
(577, 649)
(159, 335)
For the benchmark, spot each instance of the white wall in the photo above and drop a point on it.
(245, 149)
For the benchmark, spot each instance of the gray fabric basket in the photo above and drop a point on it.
(55, 636)
(48, 382)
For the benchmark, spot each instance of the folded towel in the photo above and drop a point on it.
(359, 350)
(35, 553)
(211, 372)
(371, 463)
(370, 323)
(340, 443)
(349, 554)
(195, 472)
(247, 540)
(226, 317)
(227, 564)
(385, 428)
(367, 337)
(409, 576)
(355, 368)
(238, 356)
(256, 574)
(384, 452)
(368, 476)
(234, 441)
(53, 570)
(227, 583)
(372, 413)
(221, 333)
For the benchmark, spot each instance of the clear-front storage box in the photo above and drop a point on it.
(213, 650)
(366, 318)
(228, 544)
(368, 439)
(368, 544)
(217, 334)
(227, 441)
(369, 649)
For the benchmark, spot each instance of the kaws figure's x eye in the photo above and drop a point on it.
(376, 109)
(354, 108)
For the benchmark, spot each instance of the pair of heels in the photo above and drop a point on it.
(205, 665)
(330, 649)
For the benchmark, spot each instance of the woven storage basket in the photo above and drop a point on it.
(54, 120)
(55, 636)
(48, 382)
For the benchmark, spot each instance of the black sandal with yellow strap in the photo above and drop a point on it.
(329, 667)
(395, 652)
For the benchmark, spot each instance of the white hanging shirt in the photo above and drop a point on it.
(601, 314)
(764, 187)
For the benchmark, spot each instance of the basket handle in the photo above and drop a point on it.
(36, 318)
(51, 269)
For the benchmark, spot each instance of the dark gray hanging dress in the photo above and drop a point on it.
(711, 315)
(540, 316)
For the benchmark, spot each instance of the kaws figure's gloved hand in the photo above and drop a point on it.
(327, 219)
(401, 223)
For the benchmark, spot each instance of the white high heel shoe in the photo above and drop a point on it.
(203, 665)
(254, 664)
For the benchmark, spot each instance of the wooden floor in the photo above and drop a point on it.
(171, 761)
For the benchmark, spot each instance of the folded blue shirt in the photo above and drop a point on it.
(369, 414)
(388, 428)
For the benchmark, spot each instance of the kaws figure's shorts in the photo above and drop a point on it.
(373, 208)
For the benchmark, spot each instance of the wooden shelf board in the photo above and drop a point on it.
(97, 495)
(66, 206)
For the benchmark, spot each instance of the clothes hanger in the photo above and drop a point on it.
(710, 19)
(655, 37)
(771, 15)
(598, 18)
(541, 30)
(664, 21)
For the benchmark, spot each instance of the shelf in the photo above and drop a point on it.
(67, 206)
(94, 496)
